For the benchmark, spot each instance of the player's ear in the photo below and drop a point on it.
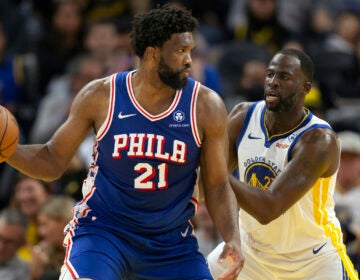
(151, 53)
(307, 87)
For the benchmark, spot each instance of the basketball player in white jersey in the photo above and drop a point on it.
(286, 160)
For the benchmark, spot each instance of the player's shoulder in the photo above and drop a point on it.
(211, 113)
(239, 111)
(92, 99)
(208, 94)
(95, 91)
(320, 144)
(240, 108)
(322, 135)
(97, 86)
(210, 101)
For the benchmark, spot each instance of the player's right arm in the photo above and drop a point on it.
(314, 156)
(49, 161)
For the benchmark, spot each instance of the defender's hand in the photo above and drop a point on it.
(234, 259)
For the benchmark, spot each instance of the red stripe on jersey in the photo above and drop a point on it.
(111, 108)
(193, 115)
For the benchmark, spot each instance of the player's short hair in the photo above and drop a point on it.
(155, 27)
(306, 63)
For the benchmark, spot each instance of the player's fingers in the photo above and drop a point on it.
(225, 252)
(234, 267)
(230, 274)
(234, 261)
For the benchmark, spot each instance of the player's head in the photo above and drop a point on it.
(164, 36)
(156, 27)
(288, 79)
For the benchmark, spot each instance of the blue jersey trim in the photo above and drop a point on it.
(301, 134)
(246, 123)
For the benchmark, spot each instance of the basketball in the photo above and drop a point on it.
(9, 134)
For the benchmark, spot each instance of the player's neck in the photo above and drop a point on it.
(152, 95)
(281, 122)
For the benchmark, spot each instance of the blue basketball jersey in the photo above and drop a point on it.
(145, 166)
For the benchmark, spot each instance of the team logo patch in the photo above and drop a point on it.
(178, 116)
(260, 174)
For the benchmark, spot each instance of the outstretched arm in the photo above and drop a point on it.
(48, 161)
(219, 198)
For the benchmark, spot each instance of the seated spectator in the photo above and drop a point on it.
(348, 180)
(12, 236)
(55, 105)
(347, 193)
(258, 22)
(201, 69)
(17, 82)
(62, 40)
(108, 41)
(29, 196)
(335, 58)
(48, 255)
(232, 59)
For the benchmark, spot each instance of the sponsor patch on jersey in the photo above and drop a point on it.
(179, 116)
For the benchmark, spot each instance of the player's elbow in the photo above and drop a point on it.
(267, 215)
(264, 220)
(49, 176)
(52, 173)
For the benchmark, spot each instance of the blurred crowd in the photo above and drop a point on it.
(51, 49)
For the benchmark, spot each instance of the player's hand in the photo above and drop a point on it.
(234, 259)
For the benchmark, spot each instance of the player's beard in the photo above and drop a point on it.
(285, 103)
(170, 77)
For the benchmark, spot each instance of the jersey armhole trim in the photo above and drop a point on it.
(194, 127)
(105, 126)
(296, 139)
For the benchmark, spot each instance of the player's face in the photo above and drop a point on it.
(284, 84)
(170, 77)
(175, 61)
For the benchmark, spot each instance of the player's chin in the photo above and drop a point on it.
(272, 104)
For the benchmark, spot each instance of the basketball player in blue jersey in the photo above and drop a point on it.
(287, 160)
(155, 127)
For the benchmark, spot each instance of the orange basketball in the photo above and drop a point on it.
(9, 134)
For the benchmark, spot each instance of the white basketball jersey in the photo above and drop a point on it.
(308, 223)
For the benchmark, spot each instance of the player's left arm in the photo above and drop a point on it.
(316, 155)
(219, 198)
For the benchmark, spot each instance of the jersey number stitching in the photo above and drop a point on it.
(145, 180)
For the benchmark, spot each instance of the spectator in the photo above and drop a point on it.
(12, 236)
(347, 193)
(29, 196)
(48, 255)
(61, 42)
(232, 60)
(201, 69)
(257, 21)
(96, 10)
(105, 42)
(336, 61)
(17, 80)
(13, 22)
(55, 105)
